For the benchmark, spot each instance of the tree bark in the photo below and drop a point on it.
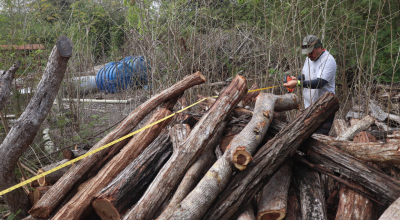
(189, 151)
(6, 79)
(248, 214)
(331, 158)
(37, 193)
(371, 151)
(192, 176)
(126, 189)
(79, 205)
(53, 177)
(238, 154)
(393, 212)
(312, 198)
(55, 195)
(25, 129)
(362, 125)
(270, 157)
(273, 201)
(72, 154)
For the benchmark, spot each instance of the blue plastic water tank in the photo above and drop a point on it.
(118, 76)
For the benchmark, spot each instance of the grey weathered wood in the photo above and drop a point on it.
(188, 152)
(312, 198)
(340, 126)
(93, 163)
(272, 203)
(239, 154)
(25, 129)
(269, 158)
(6, 79)
(362, 125)
(248, 214)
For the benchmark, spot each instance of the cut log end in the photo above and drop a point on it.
(271, 215)
(67, 154)
(105, 209)
(64, 46)
(241, 158)
(41, 180)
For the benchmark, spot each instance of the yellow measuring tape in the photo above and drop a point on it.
(109, 144)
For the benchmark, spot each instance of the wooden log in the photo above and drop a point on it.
(353, 205)
(272, 204)
(294, 211)
(53, 177)
(362, 125)
(248, 214)
(193, 176)
(126, 189)
(79, 206)
(251, 96)
(354, 121)
(371, 151)
(239, 154)
(340, 126)
(334, 159)
(312, 197)
(72, 154)
(55, 195)
(393, 212)
(188, 152)
(244, 185)
(37, 193)
(25, 129)
(6, 79)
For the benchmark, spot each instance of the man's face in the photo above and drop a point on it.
(314, 54)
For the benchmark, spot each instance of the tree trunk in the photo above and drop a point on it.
(312, 198)
(55, 195)
(6, 79)
(53, 177)
(37, 193)
(192, 177)
(25, 129)
(72, 154)
(273, 201)
(339, 161)
(79, 205)
(239, 152)
(371, 151)
(126, 189)
(393, 212)
(189, 151)
(248, 214)
(362, 125)
(270, 157)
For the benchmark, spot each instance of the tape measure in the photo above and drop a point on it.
(109, 144)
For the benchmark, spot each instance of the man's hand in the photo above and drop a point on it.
(291, 84)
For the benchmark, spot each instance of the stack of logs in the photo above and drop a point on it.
(230, 161)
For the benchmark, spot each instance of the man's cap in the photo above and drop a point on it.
(308, 44)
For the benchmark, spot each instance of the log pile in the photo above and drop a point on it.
(236, 157)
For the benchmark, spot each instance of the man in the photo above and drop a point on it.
(318, 76)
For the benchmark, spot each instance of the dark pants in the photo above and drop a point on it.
(326, 126)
